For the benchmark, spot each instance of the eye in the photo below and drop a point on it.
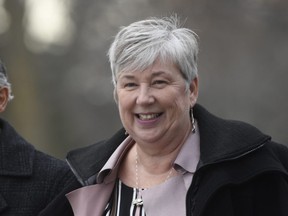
(160, 83)
(130, 85)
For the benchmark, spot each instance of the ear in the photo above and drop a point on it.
(193, 91)
(4, 95)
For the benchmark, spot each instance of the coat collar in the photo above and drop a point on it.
(87, 161)
(219, 140)
(222, 140)
(15, 153)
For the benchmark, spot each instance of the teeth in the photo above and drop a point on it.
(148, 116)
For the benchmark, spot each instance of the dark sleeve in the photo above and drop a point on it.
(60, 205)
(56, 180)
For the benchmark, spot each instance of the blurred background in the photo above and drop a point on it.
(56, 55)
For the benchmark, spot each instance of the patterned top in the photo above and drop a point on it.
(121, 202)
(167, 198)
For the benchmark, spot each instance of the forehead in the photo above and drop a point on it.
(156, 69)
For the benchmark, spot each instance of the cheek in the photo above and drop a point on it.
(182, 104)
(122, 111)
(124, 101)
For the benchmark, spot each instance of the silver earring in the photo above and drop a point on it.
(192, 120)
(126, 133)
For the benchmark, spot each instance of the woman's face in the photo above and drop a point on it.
(154, 103)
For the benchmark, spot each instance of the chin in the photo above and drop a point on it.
(147, 136)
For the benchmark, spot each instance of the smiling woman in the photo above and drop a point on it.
(172, 157)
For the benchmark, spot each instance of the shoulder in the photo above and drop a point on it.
(50, 163)
(279, 152)
(50, 172)
(52, 177)
(270, 158)
(29, 174)
(60, 205)
(277, 148)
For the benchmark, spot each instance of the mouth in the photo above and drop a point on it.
(150, 116)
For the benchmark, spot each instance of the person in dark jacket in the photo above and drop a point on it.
(29, 179)
(172, 157)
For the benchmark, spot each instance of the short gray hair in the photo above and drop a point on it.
(137, 46)
(4, 80)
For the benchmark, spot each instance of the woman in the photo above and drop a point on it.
(165, 161)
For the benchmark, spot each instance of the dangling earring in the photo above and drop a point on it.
(192, 120)
(126, 133)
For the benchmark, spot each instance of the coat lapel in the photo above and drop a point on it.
(87, 201)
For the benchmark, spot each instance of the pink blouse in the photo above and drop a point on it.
(168, 198)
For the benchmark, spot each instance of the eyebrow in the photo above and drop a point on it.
(157, 73)
(127, 77)
(131, 77)
(154, 74)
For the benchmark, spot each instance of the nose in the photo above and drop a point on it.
(145, 96)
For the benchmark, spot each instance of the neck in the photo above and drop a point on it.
(146, 179)
(157, 158)
(154, 164)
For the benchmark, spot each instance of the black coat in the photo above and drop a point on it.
(29, 179)
(241, 172)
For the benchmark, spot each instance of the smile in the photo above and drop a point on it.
(148, 116)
